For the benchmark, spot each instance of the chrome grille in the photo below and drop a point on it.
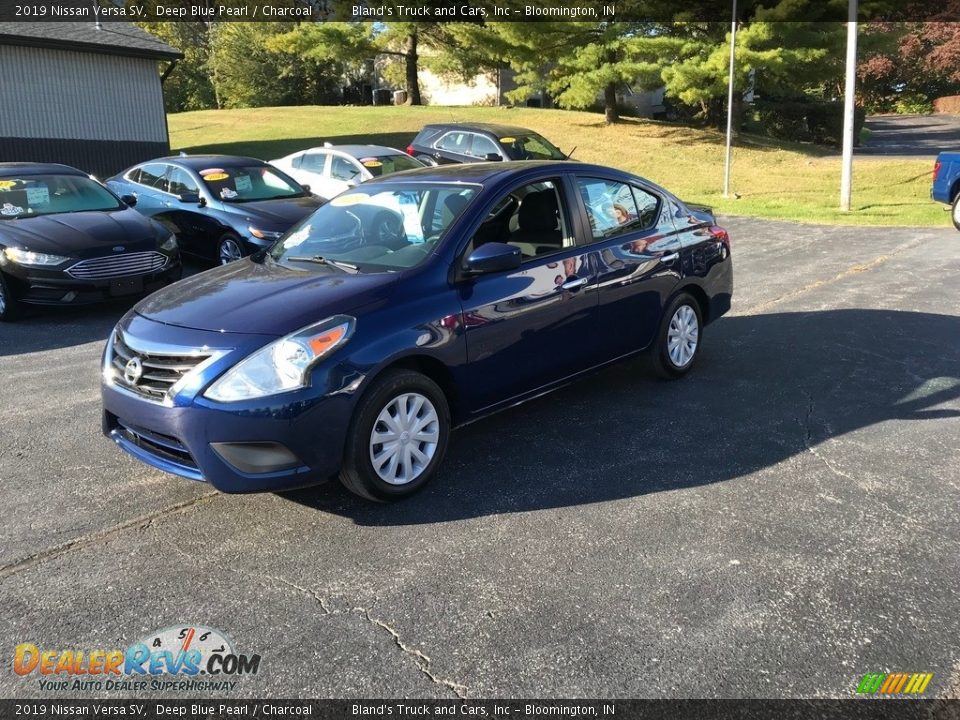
(102, 268)
(158, 371)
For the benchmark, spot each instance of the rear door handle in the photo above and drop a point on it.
(574, 284)
(667, 259)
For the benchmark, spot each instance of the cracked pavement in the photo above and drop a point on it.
(779, 523)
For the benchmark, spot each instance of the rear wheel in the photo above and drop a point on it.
(397, 438)
(678, 342)
(228, 248)
(427, 160)
(956, 212)
(9, 306)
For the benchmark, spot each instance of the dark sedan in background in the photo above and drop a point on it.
(66, 239)
(221, 207)
(333, 352)
(444, 143)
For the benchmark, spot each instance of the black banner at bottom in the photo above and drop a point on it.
(867, 709)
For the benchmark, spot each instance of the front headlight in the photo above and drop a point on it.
(284, 364)
(22, 256)
(170, 244)
(264, 234)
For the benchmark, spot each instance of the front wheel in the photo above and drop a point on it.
(678, 341)
(397, 437)
(228, 249)
(956, 212)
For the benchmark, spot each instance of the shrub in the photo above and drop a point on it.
(820, 122)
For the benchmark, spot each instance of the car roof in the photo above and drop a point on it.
(201, 162)
(493, 128)
(28, 168)
(356, 151)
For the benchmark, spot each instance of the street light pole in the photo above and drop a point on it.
(849, 109)
(733, 45)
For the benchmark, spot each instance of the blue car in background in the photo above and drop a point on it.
(220, 207)
(342, 351)
(946, 183)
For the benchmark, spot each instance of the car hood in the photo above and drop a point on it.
(263, 298)
(81, 234)
(279, 213)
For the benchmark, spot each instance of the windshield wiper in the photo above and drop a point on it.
(321, 260)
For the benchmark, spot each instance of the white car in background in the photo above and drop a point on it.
(331, 169)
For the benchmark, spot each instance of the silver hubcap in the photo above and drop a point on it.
(404, 438)
(682, 336)
(229, 251)
(956, 212)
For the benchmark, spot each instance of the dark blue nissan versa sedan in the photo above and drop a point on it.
(346, 348)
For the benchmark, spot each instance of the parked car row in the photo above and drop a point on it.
(216, 208)
(367, 302)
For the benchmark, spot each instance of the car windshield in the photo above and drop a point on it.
(531, 147)
(386, 164)
(33, 195)
(254, 182)
(379, 229)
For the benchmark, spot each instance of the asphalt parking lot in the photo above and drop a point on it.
(777, 524)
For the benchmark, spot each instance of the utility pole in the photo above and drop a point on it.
(733, 45)
(849, 109)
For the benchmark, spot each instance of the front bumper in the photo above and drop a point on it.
(276, 443)
(54, 287)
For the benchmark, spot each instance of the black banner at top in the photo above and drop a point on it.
(635, 11)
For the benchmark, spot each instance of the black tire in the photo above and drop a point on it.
(357, 473)
(9, 306)
(226, 243)
(663, 362)
(955, 213)
(427, 160)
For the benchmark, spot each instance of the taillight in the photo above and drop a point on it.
(720, 234)
(936, 170)
(410, 150)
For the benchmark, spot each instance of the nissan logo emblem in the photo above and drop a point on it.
(118, 248)
(133, 371)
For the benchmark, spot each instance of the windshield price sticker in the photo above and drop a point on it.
(242, 183)
(38, 195)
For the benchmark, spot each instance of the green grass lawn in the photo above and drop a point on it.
(774, 180)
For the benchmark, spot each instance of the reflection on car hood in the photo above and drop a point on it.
(282, 212)
(81, 234)
(263, 297)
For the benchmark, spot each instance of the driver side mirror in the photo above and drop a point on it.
(191, 198)
(493, 157)
(306, 188)
(493, 257)
(128, 200)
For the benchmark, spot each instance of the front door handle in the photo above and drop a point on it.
(574, 284)
(667, 259)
